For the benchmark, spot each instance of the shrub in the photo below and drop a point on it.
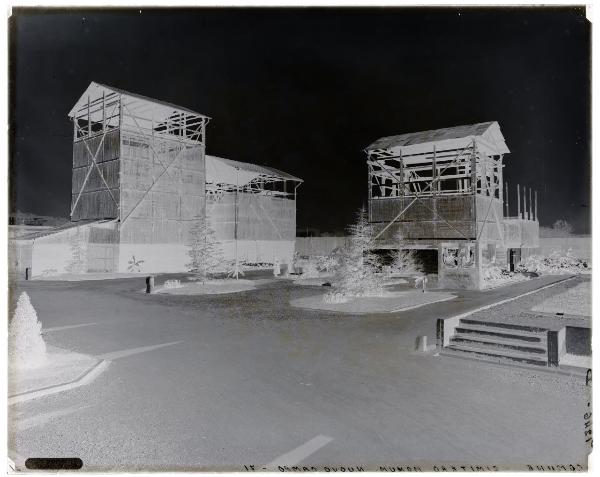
(26, 347)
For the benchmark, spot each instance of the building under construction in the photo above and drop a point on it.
(442, 193)
(252, 209)
(141, 179)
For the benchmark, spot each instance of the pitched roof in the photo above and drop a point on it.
(226, 171)
(434, 135)
(95, 90)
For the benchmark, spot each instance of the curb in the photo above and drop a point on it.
(412, 307)
(571, 371)
(86, 378)
(512, 298)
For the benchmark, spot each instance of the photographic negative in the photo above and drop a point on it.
(300, 239)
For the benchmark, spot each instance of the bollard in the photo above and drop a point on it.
(422, 344)
(27, 273)
(150, 284)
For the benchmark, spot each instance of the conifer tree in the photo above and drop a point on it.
(26, 347)
(359, 271)
(403, 260)
(204, 249)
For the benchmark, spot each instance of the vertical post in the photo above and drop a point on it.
(401, 174)
(474, 169)
(103, 112)
(483, 177)
(530, 210)
(150, 284)
(369, 184)
(536, 212)
(434, 187)
(28, 273)
(121, 206)
(518, 201)
(524, 203)
(440, 334)
(506, 199)
(235, 224)
(552, 347)
(500, 177)
(120, 111)
(89, 128)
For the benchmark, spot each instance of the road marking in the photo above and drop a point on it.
(44, 418)
(128, 352)
(86, 379)
(66, 327)
(300, 453)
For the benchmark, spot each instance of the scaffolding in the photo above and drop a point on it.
(437, 185)
(252, 208)
(127, 149)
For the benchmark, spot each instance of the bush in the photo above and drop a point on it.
(26, 347)
(555, 263)
(334, 298)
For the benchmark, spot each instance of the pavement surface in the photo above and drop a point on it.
(227, 382)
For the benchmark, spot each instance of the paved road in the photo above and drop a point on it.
(247, 380)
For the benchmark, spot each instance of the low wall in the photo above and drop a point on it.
(318, 245)
(581, 247)
(172, 258)
(54, 255)
(445, 329)
(260, 251)
(579, 340)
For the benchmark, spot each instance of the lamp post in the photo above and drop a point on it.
(237, 181)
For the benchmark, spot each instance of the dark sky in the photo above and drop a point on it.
(305, 90)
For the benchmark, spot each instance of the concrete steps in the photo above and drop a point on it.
(500, 341)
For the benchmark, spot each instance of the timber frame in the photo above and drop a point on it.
(466, 170)
(102, 111)
(440, 185)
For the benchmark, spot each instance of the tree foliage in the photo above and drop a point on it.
(562, 227)
(403, 260)
(204, 250)
(359, 273)
(78, 252)
(26, 347)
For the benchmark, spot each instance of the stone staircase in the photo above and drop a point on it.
(500, 342)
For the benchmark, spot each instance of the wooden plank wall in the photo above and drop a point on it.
(95, 201)
(259, 217)
(421, 222)
(159, 206)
